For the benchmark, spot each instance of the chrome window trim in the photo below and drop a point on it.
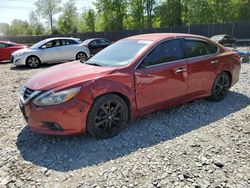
(170, 62)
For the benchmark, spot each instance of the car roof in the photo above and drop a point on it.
(161, 36)
(91, 39)
(8, 42)
(57, 38)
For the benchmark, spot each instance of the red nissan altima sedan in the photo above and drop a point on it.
(132, 77)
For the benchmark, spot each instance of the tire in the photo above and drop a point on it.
(107, 117)
(33, 62)
(81, 56)
(220, 87)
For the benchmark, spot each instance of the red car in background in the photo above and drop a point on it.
(7, 48)
(130, 78)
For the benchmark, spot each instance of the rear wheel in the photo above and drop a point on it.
(220, 87)
(107, 117)
(33, 62)
(81, 56)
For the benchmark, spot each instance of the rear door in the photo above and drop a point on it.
(203, 63)
(161, 77)
(69, 49)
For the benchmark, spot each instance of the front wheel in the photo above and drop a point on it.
(33, 62)
(220, 87)
(107, 117)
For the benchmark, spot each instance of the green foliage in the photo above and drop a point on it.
(88, 21)
(19, 27)
(35, 26)
(47, 9)
(113, 13)
(67, 22)
(128, 14)
(137, 13)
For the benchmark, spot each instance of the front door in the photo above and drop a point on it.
(51, 52)
(161, 78)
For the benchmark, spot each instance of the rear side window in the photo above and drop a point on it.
(195, 48)
(2, 45)
(68, 42)
(165, 52)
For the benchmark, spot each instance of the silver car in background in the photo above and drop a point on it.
(52, 50)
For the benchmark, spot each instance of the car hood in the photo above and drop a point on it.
(23, 51)
(67, 73)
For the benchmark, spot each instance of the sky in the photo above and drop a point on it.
(20, 9)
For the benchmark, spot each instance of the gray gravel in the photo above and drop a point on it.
(200, 144)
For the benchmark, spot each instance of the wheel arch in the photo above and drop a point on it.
(229, 74)
(32, 55)
(81, 52)
(121, 95)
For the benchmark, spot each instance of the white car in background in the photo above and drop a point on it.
(52, 50)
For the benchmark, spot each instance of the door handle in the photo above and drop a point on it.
(214, 62)
(179, 70)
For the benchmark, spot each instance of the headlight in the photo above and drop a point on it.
(19, 55)
(60, 97)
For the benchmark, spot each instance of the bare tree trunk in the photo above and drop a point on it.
(51, 23)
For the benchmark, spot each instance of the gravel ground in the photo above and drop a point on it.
(200, 144)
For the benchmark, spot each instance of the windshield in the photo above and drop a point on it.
(37, 45)
(120, 53)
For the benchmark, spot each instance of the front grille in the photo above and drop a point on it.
(27, 93)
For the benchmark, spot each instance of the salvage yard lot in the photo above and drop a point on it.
(200, 144)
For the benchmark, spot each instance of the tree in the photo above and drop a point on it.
(4, 29)
(169, 13)
(35, 26)
(47, 9)
(19, 27)
(113, 13)
(89, 20)
(137, 13)
(199, 12)
(67, 22)
(149, 7)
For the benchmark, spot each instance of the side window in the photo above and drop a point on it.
(2, 45)
(195, 48)
(67, 42)
(51, 44)
(93, 43)
(100, 41)
(164, 52)
(9, 45)
(104, 42)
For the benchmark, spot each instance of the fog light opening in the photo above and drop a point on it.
(52, 126)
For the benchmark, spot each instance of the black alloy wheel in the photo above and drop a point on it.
(220, 87)
(107, 117)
